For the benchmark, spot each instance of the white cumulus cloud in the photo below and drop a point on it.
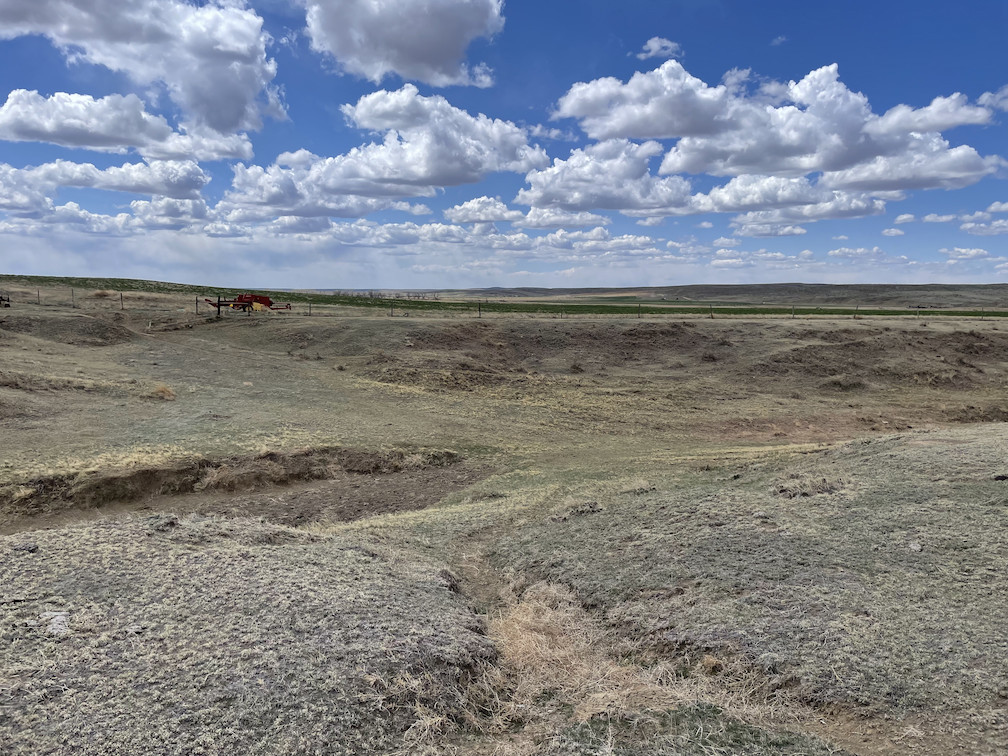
(943, 113)
(809, 126)
(109, 124)
(427, 144)
(482, 210)
(664, 103)
(168, 213)
(997, 100)
(611, 175)
(659, 47)
(30, 190)
(549, 217)
(751, 227)
(962, 253)
(993, 228)
(211, 58)
(926, 162)
(857, 253)
(423, 40)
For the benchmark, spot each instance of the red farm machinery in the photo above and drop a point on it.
(248, 303)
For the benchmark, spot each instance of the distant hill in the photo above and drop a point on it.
(878, 295)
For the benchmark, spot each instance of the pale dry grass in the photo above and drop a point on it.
(557, 668)
(644, 486)
(817, 579)
(554, 649)
(795, 485)
(242, 474)
(553, 645)
(34, 382)
(163, 391)
(236, 637)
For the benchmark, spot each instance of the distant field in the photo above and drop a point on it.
(783, 300)
(526, 534)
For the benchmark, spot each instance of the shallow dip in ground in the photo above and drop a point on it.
(363, 485)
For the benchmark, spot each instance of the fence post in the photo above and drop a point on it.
(121, 306)
(73, 302)
(309, 309)
(479, 309)
(638, 311)
(712, 312)
(218, 305)
(38, 296)
(197, 305)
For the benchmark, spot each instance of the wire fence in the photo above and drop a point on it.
(185, 307)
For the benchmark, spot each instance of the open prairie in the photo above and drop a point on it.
(517, 533)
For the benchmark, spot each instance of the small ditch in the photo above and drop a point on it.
(91, 489)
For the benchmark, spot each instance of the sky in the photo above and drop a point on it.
(433, 144)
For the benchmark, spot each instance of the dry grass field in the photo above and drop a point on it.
(519, 534)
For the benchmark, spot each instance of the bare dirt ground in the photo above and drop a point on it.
(282, 534)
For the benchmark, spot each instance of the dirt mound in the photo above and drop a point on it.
(519, 342)
(437, 380)
(971, 413)
(76, 330)
(947, 360)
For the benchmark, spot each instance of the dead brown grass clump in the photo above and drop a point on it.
(243, 474)
(550, 661)
(795, 485)
(162, 391)
(843, 383)
(103, 294)
(558, 670)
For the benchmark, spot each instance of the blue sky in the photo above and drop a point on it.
(463, 143)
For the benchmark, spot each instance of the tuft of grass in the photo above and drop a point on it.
(243, 474)
(843, 383)
(163, 391)
(796, 485)
(33, 382)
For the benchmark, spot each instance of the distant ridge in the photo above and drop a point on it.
(928, 296)
(894, 295)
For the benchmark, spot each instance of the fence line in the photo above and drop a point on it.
(104, 300)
